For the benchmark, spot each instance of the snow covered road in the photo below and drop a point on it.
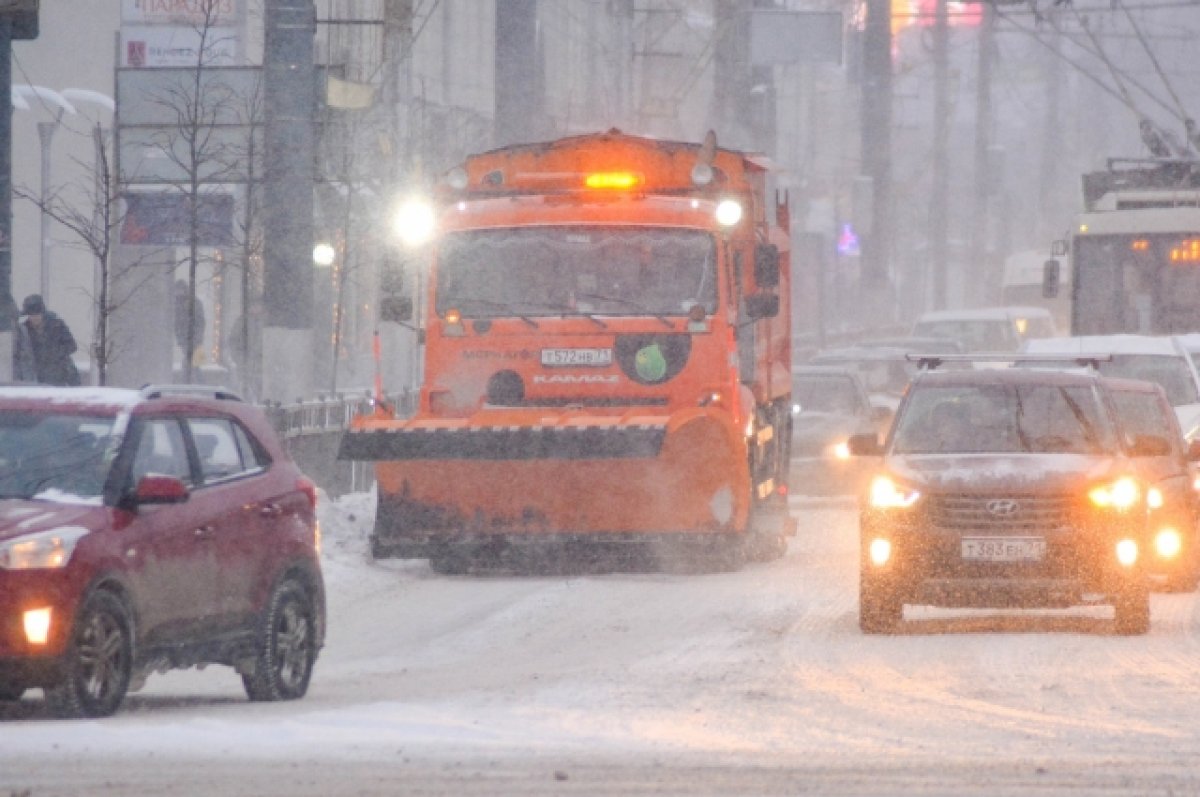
(755, 682)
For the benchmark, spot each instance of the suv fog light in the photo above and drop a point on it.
(37, 625)
(881, 551)
(841, 450)
(1168, 543)
(1127, 552)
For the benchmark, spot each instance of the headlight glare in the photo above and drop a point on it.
(885, 494)
(880, 551)
(1127, 552)
(37, 625)
(1168, 543)
(840, 450)
(1154, 498)
(1122, 494)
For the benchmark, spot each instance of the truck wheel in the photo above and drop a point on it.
(880, 608)
(449, 563)
(1132, 611)
(99, 660)
(286, 646)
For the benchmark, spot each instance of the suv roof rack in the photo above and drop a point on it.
(928, 362)
(198, 391)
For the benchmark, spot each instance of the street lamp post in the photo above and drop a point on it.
(46, 137)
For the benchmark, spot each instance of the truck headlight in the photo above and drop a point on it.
(48, 550)
(1122, 494)
(886, 494)
(1168, 543)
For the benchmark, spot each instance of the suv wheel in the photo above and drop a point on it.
(99, 660)
(1132, 611)
(880, 609)
(286, 646)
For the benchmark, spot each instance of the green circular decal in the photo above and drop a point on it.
(650, 363)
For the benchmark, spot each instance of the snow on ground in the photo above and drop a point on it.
(755, 682)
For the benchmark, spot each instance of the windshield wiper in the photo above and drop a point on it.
(1089, 432)
(628, 303)
(1025, 446)
(507, 308)
(566, 310)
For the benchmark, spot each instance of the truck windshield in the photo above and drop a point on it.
(587, 271)
(1136, 283)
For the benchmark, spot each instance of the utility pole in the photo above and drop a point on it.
(1052, 133)
(987, 283)
(876, 139)
(520, 79)
(289, 84)
(938, 200)
(397, 47)
(18, 20)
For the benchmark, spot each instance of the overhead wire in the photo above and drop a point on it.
(1183, 114)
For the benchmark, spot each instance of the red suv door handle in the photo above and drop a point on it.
(270, 510)
(204, 532)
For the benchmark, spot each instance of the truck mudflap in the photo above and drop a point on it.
(446, 481)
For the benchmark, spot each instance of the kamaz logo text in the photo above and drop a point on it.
(576, 379)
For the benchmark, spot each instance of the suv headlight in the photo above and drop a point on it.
(886, 494)
(47, 550)
(1122, 494)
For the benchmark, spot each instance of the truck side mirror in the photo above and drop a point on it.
(1050, 279)
(396, 309)
(1058, 248)
(762, 305)
(766, 265)
(865, 445)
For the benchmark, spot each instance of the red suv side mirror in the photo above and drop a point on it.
(1193, 451)
(160, 490)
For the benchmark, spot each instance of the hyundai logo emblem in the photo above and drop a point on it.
(1002, 507)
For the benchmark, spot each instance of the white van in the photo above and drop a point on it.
(1000, 329)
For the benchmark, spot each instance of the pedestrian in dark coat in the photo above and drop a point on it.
(52, 343)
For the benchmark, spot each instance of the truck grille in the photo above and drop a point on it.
(1000, 512)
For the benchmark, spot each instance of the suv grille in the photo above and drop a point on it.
(1000, 512)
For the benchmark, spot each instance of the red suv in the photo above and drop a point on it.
(147, 530)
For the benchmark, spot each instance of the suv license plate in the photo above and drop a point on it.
(1003, 549)
(597, 357)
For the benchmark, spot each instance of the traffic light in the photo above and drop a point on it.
(23, 14)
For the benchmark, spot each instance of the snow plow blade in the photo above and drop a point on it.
(444, 482)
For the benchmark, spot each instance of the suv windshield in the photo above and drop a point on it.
(825, 394)
(974, 335)
(54, 456)
(1003, 418)
(576, 271)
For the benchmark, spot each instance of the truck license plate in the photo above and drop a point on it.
(595, 357)
(1003, 549)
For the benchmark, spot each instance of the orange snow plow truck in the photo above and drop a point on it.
(607, 361)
